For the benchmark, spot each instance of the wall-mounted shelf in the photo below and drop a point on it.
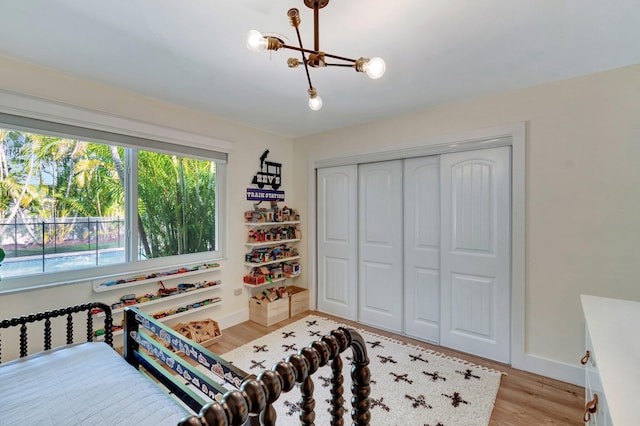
(277, 280)
(264, 239)
(258, 224)
(257, 265)
(165, 299)
(271, 243)
(180, 314)
(101, 286)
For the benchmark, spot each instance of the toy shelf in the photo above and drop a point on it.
(257, 265)
(99, 287)
(271, 243)
(270, 282)
(179, 314)
(164, 299)
(258, 224)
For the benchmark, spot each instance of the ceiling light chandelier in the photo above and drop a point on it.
(374, 67)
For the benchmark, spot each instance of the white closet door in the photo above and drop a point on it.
(380, 278)
(475, 264)
(422, 247)
(337, 241)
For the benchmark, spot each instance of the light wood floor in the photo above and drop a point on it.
(523, 398)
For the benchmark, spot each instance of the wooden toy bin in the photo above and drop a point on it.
(298, 300)
(268, 313)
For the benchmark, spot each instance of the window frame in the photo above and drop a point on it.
(20, 112)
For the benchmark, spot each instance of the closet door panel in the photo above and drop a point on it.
(476, 252)
(380, 245)
(422, 247)
(337, 241)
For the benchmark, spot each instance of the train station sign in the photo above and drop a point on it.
(264, 195)
(270, 174)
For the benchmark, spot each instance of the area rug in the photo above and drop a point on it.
(410, 385)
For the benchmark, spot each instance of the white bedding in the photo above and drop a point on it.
(82, 384)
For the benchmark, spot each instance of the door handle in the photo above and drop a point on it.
(585, 358)
(590, 408)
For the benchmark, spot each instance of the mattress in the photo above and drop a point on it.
(82, 384)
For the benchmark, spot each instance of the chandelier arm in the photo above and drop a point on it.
(342, 58)
(339, 65)
(328, 55)
(304, 58)
(316, 26)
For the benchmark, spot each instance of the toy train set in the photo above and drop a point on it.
(182, 270)
(271, 214)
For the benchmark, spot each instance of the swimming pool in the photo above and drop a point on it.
(60, 262)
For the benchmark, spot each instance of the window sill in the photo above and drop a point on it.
(104, 273)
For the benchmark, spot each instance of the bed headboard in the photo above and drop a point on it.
(68, 312)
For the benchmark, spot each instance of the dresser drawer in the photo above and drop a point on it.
(593, 388)
(611, 370)
(591, 366)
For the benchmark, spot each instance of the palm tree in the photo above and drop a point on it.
(117, 161)
(177, 203)
(18, 167)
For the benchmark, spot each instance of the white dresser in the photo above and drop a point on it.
(612, 361)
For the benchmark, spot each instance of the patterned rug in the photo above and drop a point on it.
(410, 385)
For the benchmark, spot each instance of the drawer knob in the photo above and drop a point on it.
(590, 408)
(585, 358)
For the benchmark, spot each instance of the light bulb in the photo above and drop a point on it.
(256, 41)
(315, 101)
(375, 68)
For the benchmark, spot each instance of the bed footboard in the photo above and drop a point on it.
(156, 356)
(256, 396)
(68, 312)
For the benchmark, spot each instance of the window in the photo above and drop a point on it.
(61, 204)
(176, 205)
(69, 203)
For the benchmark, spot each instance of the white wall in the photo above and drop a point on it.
(243, 162)
(582, 193)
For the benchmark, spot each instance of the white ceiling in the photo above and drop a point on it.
(192, 53)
